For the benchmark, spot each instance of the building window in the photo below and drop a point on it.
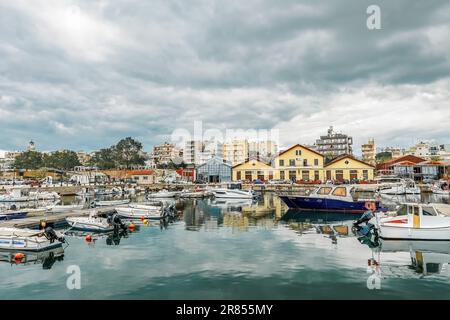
(144, 178)
(261, 175)
(270, 175)
(298, 152)
(238, 175)
(292, 162)
(366, 175)
(353, 175)
(281, 163)
(305, 162)
(305, 175)
(248, 175)
(282, 176)
(316, 176)
(316, 162)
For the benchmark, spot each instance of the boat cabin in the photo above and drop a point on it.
(419, 215)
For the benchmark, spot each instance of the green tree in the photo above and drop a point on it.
(128, 152)
(62, 160)
(383, 156)
(104, 159)
(29, 160)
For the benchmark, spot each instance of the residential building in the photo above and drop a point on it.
(165, 153)
(198, 152)
(388, 166)
(369, 152)
(265, 149)
(253, 169)
(334, 144)
(236, 151)
(214, 170)
(348, 168)
(142, 176)
(83, 157)
(299, 163)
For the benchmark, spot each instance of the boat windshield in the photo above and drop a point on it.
(324, 190)
(429, 211)
(340, 192)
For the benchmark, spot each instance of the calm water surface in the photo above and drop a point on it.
(219, 250)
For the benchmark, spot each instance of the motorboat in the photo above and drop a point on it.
(163, 194)
(149, 212)
(415, 221)
(441, 188)
(196, 193)
(29, 240)
(329, 198)
(405, 186)
(24, 195)
(64, 208)
(232, 193)
(85, 192)
(94, 223)
(13, 214)
(108, 203)
(44, 195)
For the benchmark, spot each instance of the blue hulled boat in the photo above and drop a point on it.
(9, 215)
(328, 198)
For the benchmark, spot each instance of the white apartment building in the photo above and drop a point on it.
(199, 152)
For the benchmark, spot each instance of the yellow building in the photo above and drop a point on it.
(299, 163)
(348, 168)
(252, 170)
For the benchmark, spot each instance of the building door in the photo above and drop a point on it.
(292, 176)
(270, 175)
(261, 175)
(353, 175)
(248, 175)
(328, 174)
(282, 176)
(340, 175)
(214, 179)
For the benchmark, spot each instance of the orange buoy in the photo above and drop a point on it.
(19, 256)
(88, 238)
(131, 226)
(142, 218)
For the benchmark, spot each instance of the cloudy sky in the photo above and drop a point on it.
(83, 74)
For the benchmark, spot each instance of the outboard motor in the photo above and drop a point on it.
(363, 226)
(51, 235)
(115, 220)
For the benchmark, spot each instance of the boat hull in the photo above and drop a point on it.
(88, 225)
(323, 204)
(131, 213)
(407, 233)
(12, 216)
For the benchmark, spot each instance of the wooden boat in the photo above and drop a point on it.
(415, 222)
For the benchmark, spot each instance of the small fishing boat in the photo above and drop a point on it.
(415, 221)
(405, 186)
(13, 214)
(164, 194)
(29, 240)
(441, 188)
(328, 198)
(108, 203)
(94, 223)
(64, 208)
(132, 213)
(232, 193)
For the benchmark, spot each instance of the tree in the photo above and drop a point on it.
(62, 160)
(104, 159)
(128, 152)
(383, 156)
(28, 160)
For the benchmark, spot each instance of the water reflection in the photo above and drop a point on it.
(45, 258)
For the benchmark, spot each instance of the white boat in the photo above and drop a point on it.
(24, 195)
(29, 240)
(232, 193)
(415, 222)
(62, 208)
(441, 188)
(108, 203)
(136, 213)
(45, 257)
(38, 195)
(405, 186)
(163, 194)
(91, 223)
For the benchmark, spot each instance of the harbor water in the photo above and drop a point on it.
(233, 250)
